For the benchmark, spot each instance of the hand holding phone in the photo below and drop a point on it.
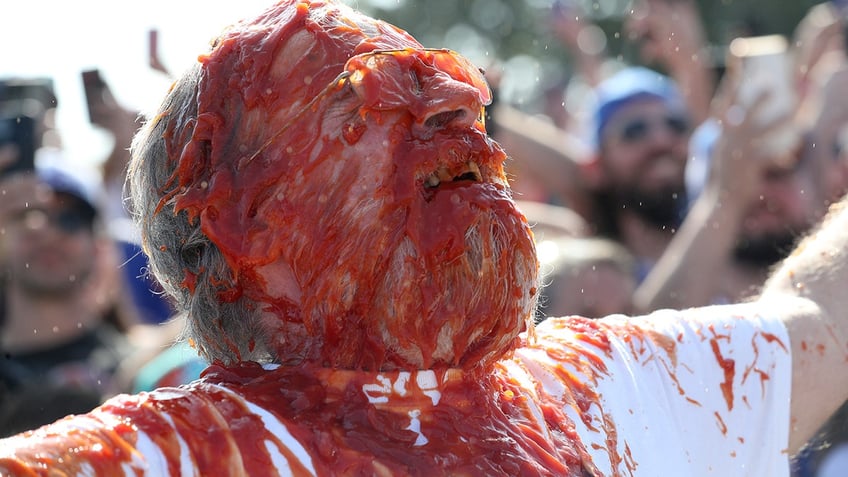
(97, 96)
(765, 67)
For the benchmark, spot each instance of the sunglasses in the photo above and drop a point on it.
(639, 129)
(69, 221)
(387, 79)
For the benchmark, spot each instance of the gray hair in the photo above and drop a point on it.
(189, 266)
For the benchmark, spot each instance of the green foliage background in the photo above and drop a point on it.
(515, 35)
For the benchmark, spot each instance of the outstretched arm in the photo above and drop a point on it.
(810, 286)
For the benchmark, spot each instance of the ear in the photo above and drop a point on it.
(592, 172)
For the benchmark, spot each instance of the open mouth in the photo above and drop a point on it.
(468, 172)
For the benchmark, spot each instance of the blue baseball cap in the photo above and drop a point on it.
(64, 182)
(625, 86)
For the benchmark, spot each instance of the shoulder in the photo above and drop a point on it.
(668, 329)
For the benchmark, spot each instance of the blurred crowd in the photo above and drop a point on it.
(690, 174)
(672, 183)
(81, 317)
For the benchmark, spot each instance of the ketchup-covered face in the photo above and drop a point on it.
(344, 173)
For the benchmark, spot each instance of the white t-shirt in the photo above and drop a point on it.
(697, 393)
(687, 397)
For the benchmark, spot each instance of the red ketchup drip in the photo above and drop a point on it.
(728, 365)
(482, 425)
(580, 392)
(771, 338)
(247, 168)
(479, 427)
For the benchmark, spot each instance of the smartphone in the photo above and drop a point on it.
(95, 93)
(20, 132)
(766, 65)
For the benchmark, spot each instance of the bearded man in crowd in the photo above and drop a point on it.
(321, 198)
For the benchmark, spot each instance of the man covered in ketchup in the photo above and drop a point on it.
(320, 197)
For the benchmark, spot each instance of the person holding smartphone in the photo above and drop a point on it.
(59, 276)
(348, 254)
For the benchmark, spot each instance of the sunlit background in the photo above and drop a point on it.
(60, 39)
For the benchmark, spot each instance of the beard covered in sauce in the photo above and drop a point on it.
(320, 193)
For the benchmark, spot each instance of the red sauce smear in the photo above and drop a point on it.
(296, 120)
(296, 123)
(727, 365)
(482, 425)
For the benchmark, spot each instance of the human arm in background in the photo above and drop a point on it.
(106, 112)
(671, 35)
(584, 40)
(692, 269)
(548, 220)
(816, 38)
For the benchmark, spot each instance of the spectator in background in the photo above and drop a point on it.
(66, 306)
(628, 184)
(564, 163)
(760, 191)
(377, 328)
(670, 37)
(754, 208)
(585, 276)
(640, 131)
(64, 313)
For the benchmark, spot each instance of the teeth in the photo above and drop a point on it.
(444, 175)
(475, 169)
